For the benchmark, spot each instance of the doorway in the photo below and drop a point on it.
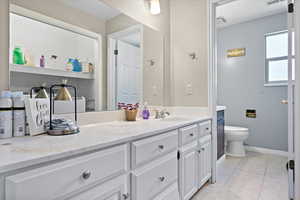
(271, 71)
(125, 71)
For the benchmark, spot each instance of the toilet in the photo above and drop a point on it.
(235, 137)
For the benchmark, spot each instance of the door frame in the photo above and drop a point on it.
(212, 4)
(112, 64)
(297, 99)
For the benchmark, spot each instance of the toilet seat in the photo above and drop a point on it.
(234, 129)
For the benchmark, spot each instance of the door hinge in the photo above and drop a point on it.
(116, 52)
(178, 155)
(291, 8)
(291, 165)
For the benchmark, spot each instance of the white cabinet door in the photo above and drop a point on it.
(152, 179)
(171, 193)
(115, 189)
(188, 171)
(205, 159)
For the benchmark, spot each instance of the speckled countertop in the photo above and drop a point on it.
(17, 153)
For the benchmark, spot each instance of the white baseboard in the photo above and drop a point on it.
(266, 151)
(221, 159)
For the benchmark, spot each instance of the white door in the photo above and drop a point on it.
(291, 98)
(205, 161)
(188, 169)
(128, 73)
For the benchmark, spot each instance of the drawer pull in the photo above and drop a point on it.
(202, 149)
(161, 147)
(86, 175)
(192, 134)
(199, 151)
(125, 196)
(162, 178)
(207, 128)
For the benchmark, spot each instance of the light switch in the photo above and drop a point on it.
(154, 90)
(189, 89)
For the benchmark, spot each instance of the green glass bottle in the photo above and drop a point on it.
(18, 56)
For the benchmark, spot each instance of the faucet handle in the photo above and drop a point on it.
(157, 114)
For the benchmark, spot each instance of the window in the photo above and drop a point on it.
(277, 58)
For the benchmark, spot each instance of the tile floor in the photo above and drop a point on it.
(255, 177)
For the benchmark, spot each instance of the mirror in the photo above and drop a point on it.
(110, 57)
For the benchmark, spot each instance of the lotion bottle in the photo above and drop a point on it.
(6, 116)
(145, 112)
(18, 114)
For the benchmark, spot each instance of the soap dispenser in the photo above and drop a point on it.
(145, 112)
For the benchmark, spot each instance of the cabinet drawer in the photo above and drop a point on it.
(205, 128)
(57, 180)
(153, 178)
(148, 149)
(188, 134)
(204, 140)
(115, 189)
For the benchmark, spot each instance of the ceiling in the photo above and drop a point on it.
(93, 7)
(132, 38)
(239, 11)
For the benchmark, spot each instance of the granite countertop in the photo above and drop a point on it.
(17, 153)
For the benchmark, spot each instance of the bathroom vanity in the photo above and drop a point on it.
(164, 159)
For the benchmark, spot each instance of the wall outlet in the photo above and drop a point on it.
(154, 90)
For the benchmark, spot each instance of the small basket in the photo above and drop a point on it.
(131, 114)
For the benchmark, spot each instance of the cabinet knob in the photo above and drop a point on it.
(162, 178)
(199, 151)
(161, 147)
(125, 196)
(86, 175)
(192, 134)
(202, 149)
(207, 128)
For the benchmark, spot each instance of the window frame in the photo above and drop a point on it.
(268, 60)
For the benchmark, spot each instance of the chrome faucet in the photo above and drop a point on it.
(161, 114)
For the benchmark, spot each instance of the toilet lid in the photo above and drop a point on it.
(236, 129)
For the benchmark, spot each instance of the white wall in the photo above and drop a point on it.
(189, 35)
(4, 44)
(188, 21)
(119, 23)
(241, 83)
(153, 83)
